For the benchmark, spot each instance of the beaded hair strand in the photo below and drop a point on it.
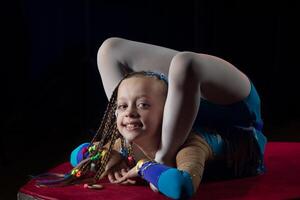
(107, 133)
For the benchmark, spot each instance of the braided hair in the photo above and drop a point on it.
(102, 143)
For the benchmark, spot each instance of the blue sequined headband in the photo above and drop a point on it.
(159, 75)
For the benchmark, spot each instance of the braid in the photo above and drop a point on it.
(107, 133)
(107, 155)
(108, 118)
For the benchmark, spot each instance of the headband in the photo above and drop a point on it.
(158, 75)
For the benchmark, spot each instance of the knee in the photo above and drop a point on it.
(183, 67)
(109, 46)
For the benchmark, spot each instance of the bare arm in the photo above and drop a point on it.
(118, 56)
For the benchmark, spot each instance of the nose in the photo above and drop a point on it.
(131, 112)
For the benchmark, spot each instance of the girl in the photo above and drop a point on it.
(203, 91)
(211, 113)
(131, 130)
(134, 115)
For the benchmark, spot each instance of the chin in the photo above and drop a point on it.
(130, 137)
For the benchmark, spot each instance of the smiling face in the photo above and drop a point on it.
(140, 104)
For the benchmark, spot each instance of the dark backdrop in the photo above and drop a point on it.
(52, 95)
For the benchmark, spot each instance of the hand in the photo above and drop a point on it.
(116, 169)
(114, 163)
(125, 177)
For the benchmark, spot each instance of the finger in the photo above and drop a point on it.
(130, 181)
(124, 182)
(93, 186)
(118, 175)
(120, 180)
(124, 177)
(124, 172)
(111, 178)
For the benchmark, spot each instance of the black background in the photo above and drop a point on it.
(51, 91)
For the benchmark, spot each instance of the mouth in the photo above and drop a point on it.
(133, 126)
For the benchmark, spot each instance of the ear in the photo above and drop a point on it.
(116, 113)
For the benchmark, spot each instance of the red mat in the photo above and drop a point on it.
(281, 181)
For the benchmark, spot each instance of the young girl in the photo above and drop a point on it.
(130, 131)
(211, 112)
(132, 126)
(204, 91)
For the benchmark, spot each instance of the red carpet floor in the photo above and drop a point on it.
(281, 181)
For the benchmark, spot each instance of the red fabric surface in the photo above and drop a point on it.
(281, 181)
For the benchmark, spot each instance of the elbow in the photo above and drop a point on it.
(109, 45)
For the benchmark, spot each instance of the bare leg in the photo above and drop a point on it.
(191, 75)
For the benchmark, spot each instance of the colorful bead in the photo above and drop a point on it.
(124, 152)
(95, 157)
(103, 153)
(93, 167)
(92, 148)
(78, 174)
(95, 186)
(74, 171)
(131, 160)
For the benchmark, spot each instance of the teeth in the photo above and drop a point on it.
(132, 126)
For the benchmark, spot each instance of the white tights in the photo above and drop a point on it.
(191, 76)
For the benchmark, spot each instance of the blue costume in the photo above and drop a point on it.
(234, 133)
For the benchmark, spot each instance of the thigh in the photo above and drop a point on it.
(221, 82)
(236, 150)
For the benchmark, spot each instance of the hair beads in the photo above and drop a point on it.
(96, 155)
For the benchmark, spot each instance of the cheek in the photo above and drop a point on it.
(119, 122)
(156, 119)
(160, 118)
(120, 127)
